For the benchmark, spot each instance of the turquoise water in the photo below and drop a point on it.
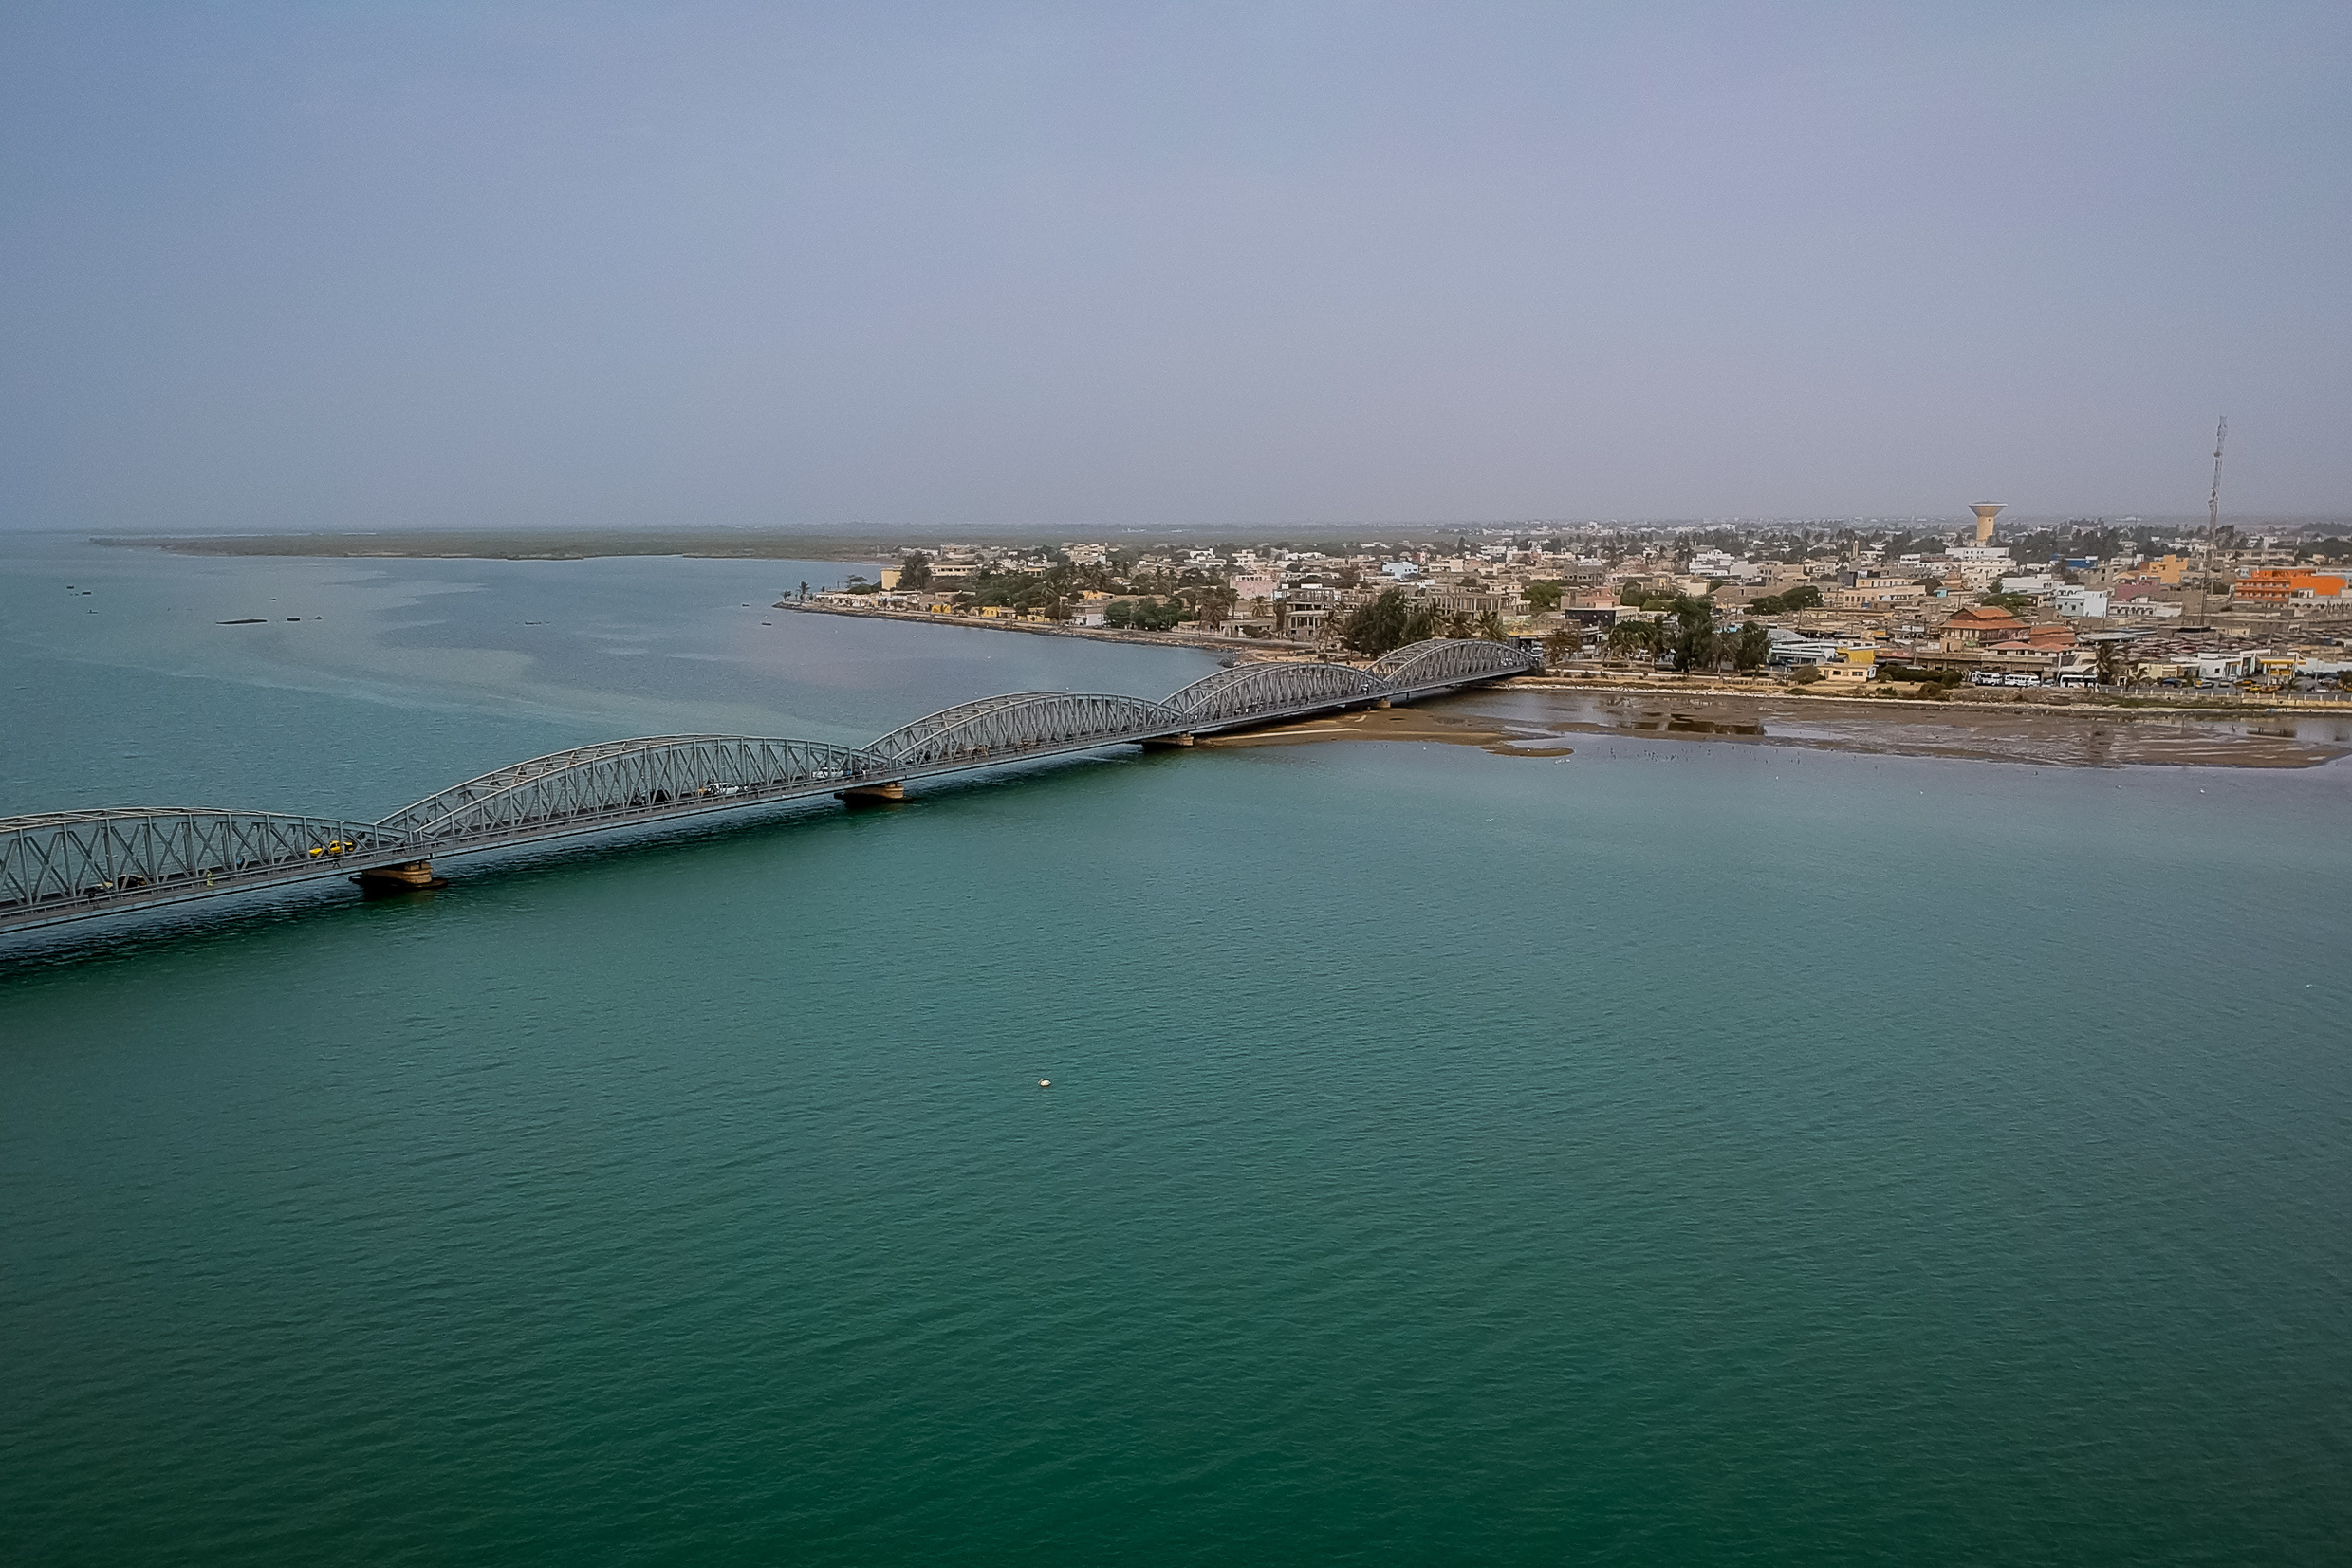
(1698, 1152)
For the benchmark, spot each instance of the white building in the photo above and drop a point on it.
(2225, 666)
(1714, 563)
(2080, 602)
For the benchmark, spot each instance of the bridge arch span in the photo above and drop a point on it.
(1247, 691)
(655, 775)
(1026, 721)
(1441, 660)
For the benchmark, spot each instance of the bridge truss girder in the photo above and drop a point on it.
(1026, 722)
(60, 864)
(1248, 690)
(621, 781)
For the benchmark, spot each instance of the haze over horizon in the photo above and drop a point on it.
(278, 267)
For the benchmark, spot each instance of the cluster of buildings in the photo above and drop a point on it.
(1848, 606)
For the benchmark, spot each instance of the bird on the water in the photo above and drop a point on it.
(1045, 1083)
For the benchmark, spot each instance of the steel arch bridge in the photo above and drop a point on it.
(73, 865)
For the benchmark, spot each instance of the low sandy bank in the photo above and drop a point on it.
(1543, 720)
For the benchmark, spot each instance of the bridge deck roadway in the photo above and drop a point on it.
(153, 887)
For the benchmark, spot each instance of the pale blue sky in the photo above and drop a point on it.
(344, 265)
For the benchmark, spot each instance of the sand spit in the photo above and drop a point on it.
(1540, 722)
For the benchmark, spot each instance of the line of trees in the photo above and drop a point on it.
(1803, 597)
(1144, 614)
(1689, 641)
(1385, 624)
(1390, 623)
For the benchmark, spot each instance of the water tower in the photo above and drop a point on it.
(1986, 511)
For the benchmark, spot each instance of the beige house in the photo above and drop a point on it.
(1869, 592)
(1851, 667)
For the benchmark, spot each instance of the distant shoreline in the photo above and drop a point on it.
(1209, 640)
(520, 546)
(727, 543)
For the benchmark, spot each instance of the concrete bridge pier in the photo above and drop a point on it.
(400, 878)
(872, 794)
(1161, 743)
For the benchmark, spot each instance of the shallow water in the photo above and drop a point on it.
(2083, 738)
(1686, 1149)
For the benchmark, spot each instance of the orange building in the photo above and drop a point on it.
(2271, 586)
(1981, 623)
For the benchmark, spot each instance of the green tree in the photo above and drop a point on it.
(1752, 648)
(1635, 637)
(1808, 674)
(915, 570)
(1803, 597)
(1379, 627)
(1694, 634)
(1544, 595)
(1560, 647)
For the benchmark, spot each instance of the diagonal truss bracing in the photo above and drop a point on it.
(628, 779)
(66, 858)
(1027, 722)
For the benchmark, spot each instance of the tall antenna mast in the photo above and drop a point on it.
(2213, 523)
(2213, 503)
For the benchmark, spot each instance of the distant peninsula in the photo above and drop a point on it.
(528, 545)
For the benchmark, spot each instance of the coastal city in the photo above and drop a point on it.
(1977, 610)
(887, 785)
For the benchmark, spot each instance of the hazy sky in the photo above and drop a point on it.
(370, 265)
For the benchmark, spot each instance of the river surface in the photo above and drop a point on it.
(1675, 1150)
